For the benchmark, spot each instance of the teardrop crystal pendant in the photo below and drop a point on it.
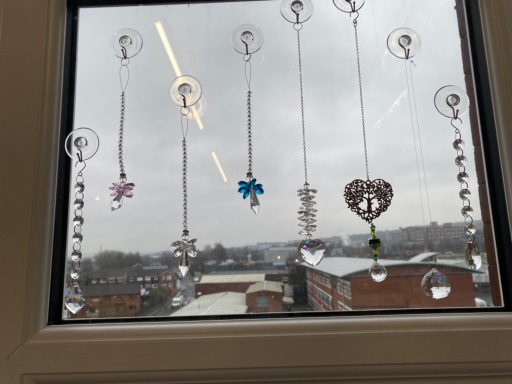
(312, 251)
(254, 202)
(74, 300)
(184, 264)
(117, 202)
(378, 272)
(473, 257)
(435, 284)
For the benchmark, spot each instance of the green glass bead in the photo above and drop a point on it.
(374, 242)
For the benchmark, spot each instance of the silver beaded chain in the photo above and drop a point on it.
(307, 211)
(120, 143)
(248, 76)
(184, 127)
(78, 221)
(462, 177)
(361, 99)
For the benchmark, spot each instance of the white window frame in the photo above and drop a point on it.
(415, 348)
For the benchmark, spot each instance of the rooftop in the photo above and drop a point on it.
(223, 303)
(235, 278)
(345, 266)
(268, 286)
(100, 290)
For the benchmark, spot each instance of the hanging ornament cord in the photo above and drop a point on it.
(311, 250)
(472, 253)
(184, 248)
(367, 198)
(249, 188)
(122, 189)
(75, 300)
(418, 151)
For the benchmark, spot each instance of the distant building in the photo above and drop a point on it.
(280, 254)
(111, 300)
(227, 283)
(120, 292)
(267, 296)
(222, 303)
(343, 284)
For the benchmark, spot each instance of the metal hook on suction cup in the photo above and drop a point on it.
(407, 51)
(80, 161)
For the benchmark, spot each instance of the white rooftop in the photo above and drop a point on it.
(240, 278)
(423, 256)
(269, 286)
(222, 303)
(344, 266)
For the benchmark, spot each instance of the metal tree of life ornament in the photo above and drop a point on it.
(81, 144)
(452, 102)
(248, 39)
(367, 198)
(125, 44)
(311, 250)
(185, 92)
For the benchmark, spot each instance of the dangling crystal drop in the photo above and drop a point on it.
(254, 202)
(312, 251)
(473, 257)
(378, 272)
(470, 229)
(461, 161)
(74, 300)
(117, 202)
(464, 194)
(435, 284)
(184, 264)
(458, 144)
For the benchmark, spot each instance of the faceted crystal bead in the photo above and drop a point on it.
(79, 187)
(459, 144)
(184, 265)
(77, 237)
(470, 229)
(254, 202)
(78, 204)
(466, 210)
(461, 161)
(78, 220)
(464, 194)
(76, 256)
(435, 284)
(117, 202)
(74, 274)
(73, 299)
(473, 257)
(462, 177)
(378, 272)
(312, 251)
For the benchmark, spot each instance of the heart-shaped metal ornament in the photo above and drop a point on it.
(368, 198)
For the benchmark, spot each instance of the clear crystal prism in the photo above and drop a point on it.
(473, 257)
(254, 202)
(184, 265)
(435, 284)
(312, 251)
(117, 202)
(74, 300)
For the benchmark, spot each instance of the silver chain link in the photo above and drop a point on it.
(363, 122)
(120, 142)
(184, 184)
(249, 134)
(303, 121)
(76, 254)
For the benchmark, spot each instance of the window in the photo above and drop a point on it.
(240, 246)
(48, 354)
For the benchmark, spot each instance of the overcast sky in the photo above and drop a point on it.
(200, 35)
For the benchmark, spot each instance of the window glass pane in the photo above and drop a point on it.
(249, 263)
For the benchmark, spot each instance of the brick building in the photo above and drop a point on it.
(266, 296)
(227, 283)
(111, 300)
(343, 284)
